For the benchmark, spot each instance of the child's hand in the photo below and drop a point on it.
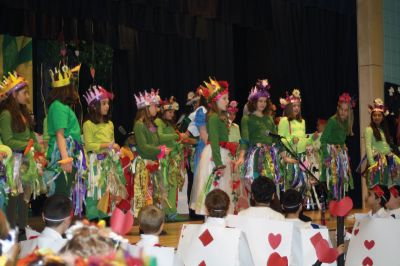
(67, 167)
(340, 249)
(295, 140)
(167, 151)
(116, 147)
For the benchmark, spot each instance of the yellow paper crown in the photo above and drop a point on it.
(214, 88)
(12, 82)
(60, 77)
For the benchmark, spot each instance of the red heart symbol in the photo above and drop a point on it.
(276, 260)
(274, 240)
(367, 262)
(341, 208)
(356, 231)
(325, 253)
(121, 223)
(369, 244)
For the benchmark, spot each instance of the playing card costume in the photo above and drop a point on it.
(336, 171)
(292, 128)
(217, 154)
(173, 165)
(383, 165)
(105, 182)
(20, 178)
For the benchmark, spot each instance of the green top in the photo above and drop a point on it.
(147, 143)
(16, 141)
(234, 133)
(96, 134)
(61, 116)
(293, 129)
(335, 133)
(258, 127)
(373, 146)
(217, 131)
(244, 132)
(166, 133)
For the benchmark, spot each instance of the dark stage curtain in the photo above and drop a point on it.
(175, 44)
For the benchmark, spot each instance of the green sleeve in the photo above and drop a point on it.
(7, 134)
(36, 144)
(213, 137)
(283, 130)
(164, 137)
(369, 135)
(89, 137)
(148, 150)
(326, 135)
(244, 128)
(58, 117)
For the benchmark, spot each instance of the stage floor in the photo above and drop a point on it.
(171, 239)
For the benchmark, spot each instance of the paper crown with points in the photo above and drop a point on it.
(260, 90)
(213, 89)
(11, 83)
(378, 106)
(144, 99)
(169, 104)
(97, 93)
(293, 98)
(60, 77)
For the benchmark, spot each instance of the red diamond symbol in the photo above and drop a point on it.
(206, 238)
(202, 263)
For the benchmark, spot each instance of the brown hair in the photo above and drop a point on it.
(20, 114)
(383, 126)
(144, 116)
(252, 106)
(150, 219)
(288, 112)
(94, 113)
(217, 203)
(88, 241)
(4, 227)
(68, 95)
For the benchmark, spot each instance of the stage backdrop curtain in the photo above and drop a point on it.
(175, 44)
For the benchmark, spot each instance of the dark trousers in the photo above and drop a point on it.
(17, 211)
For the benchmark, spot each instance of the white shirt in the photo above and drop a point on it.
(395, 213)
(148, 241)
(48, 239)
(299, 223)
(262, 212)
(381, 213)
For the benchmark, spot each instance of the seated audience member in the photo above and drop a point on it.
(57, 216)
(292, 204)
(217, 205)
(393, 205)
(378, 196)
(262, 194)
(151, 223)
(8, 248)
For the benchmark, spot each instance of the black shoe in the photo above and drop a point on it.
(195, 217)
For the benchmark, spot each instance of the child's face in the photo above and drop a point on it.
(377, 118)
(372, 201)
(169, 114)
(222, 103)
(320, 127)
(153, 110)
(393, 203)
(296, 108)
(22, 96)
(104, 106)
(261, 104)
(232, 116)
(343, 111)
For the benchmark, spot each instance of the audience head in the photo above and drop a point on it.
(151, 220)
(394, 201)
(292, 201)
(262, 191)
(217, 203)
(57, 212)
(378, 196)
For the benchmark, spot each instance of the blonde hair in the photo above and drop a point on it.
(150, 219)
(88, 241)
